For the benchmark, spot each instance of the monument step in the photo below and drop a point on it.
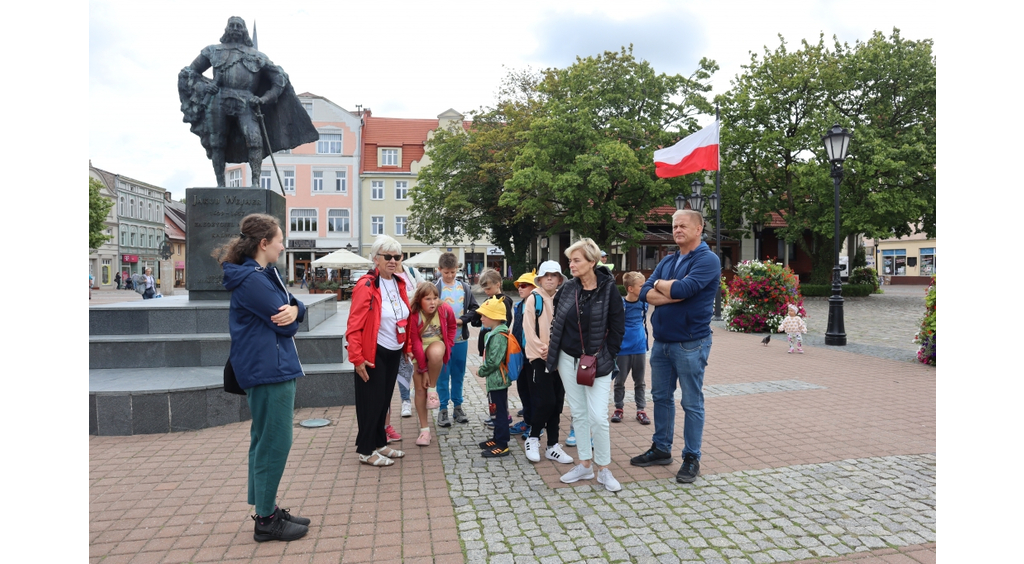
(179, 315)
(160, 400)
(199, 350)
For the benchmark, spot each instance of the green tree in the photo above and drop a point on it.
(99, 207)
(457, 194)
(587, 162)
(776, 112)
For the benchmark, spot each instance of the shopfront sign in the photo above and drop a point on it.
(129, 258)
(301, 243)
(495, 251)
(179, 265)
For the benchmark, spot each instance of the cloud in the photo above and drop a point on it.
(672, 40)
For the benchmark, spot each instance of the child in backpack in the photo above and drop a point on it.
(633, 354)
(793, 326)
(524, 285)
(492, 315)
(490, 283)
(459, 296)
(431, 336)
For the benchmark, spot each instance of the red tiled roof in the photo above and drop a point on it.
(407, 134)
(776, 221)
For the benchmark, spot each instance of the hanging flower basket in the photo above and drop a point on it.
(759, 295)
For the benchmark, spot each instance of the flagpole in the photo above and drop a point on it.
(718, 218)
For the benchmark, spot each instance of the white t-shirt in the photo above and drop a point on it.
(392, 308)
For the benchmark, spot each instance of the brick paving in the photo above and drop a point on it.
(823, 457)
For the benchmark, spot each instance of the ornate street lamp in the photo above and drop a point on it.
(837, 141)
(680, 202)
(697, 197)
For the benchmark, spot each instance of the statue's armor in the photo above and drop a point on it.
(235, 65)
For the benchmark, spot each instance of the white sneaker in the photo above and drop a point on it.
(610, 483)
(578, 472)
(532, 447)
(557, 454)
(406, 409)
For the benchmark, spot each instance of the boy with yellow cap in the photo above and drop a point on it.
(525, 285)
(492, 316)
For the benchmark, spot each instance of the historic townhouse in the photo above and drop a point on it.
(140, 223)
(104, 260)
(175, 226)
(393, 153)
(318, 183)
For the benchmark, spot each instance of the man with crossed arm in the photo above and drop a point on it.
(682, 289)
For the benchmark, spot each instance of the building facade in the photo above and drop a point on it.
(319, 183)
(392, 155)
(174, 227)
(104, 261)
(903, 260)
(140, 224)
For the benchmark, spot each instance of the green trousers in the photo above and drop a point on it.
(272, 407)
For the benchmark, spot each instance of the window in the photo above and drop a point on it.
(133, 234)
(389, 157)
(131, 207)
(149, 212)
(140, 208)
(928, 261)
(308, 106)
(157, 216)
(122, 212)
(124, 236)
(894, 262)
(400, 224)
(337, 221)
(376, 189)
(303, 221)
(289, 181)
(341, 181)
(376, 225)
(401, 189)
(329, 143)
(318, 181)
(265, 179)
(235, 178)
(151, 245)
(105, 276)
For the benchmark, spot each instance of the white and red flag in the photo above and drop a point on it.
(693, 153)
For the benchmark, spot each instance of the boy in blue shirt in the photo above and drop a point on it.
(633, 355)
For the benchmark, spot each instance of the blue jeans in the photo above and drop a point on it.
(404, 369)
(452, 374)
(683, 363)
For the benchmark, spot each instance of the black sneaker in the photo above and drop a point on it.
(487, 445)
(495, 452)
(690, 469)
(277, 528)
(293, 518)
(652, 456)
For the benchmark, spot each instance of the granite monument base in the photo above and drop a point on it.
(213, 217)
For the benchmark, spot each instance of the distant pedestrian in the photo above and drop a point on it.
(90, 286)
(263, 320)
(793, 326)
(117, 280)
(302, 283)
(150, 285)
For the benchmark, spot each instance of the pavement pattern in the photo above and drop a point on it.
(827, 456)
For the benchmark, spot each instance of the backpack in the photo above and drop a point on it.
(513, 364)
(538, 306)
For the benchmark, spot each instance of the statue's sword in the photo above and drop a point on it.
(263, 127)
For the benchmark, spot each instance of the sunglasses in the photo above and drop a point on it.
(390, 257)
(521, 286)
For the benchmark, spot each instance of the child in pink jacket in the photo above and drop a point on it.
(431, 330)
(793, 326)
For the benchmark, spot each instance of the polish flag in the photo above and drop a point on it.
(694, 153)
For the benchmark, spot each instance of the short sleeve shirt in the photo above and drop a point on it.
(455, 297)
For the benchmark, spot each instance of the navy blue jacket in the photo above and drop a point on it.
(696, 277)
(261, 351)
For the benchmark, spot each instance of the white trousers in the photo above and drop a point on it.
(589, 405)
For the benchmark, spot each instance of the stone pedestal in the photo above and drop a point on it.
(213, 216)
(166, 278)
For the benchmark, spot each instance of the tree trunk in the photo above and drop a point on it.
(821, 259)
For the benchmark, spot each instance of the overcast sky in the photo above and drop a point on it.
(416, 59)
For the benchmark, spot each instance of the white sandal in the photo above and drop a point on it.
(381, 459)
(391, 454)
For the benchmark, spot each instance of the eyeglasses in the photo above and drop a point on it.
(390, 257)
(521, 286)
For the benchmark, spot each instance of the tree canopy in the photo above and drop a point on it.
(778, 109)
(99, 207)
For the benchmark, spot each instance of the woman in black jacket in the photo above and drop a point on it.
(589, 319)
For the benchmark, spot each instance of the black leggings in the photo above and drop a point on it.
(547, 396)
(373, 399)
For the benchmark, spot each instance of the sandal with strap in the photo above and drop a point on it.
(390, 452)
(380, 461)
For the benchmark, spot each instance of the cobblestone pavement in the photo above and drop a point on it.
(827, 456)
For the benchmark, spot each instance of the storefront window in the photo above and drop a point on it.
(894, 262)
(928, 261)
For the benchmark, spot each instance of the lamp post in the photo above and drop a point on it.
(469, 263)
(758, 230)
(680, 202)
(837, 141)
(697, 201)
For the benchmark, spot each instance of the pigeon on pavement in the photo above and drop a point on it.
(765, 340)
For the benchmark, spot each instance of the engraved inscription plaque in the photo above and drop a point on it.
(213, 215)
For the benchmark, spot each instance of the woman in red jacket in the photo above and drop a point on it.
(431, 336)
(376, 335)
